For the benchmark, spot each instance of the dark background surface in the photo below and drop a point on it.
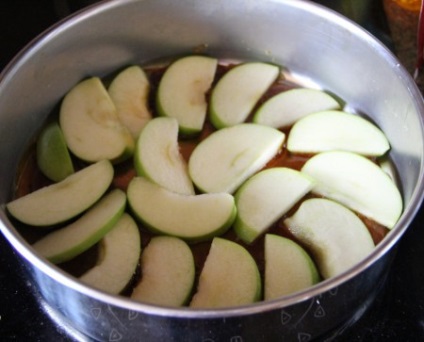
(397, 313)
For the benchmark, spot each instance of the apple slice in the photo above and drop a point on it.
(336, 130)
(66, 243)
(91, 126)
(356, 182)
(53, 156)
(238, 91)
(118, 257)
(386, 164)
(182, 91)
(167, 267)
(157, 156)
(129, 91)
(230, 277)
(194, 218)
(64, 200)
(335, 235)
(227, 157)
(288, 267)
(284, 109)
(265, 197)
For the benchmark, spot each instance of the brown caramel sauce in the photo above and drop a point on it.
(30, 178)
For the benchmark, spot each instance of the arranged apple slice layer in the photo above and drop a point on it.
(91, 126)
(62, 201)
(182, 91)
(336, 130)
(201, 171)
(158, 158)
(167, 267)
(238, 91)
(288, 267)
(68, 242)
(129, 91)
(194, 218)
(356, 182)
(230, 277)
(335, 235)
(118, 257)
(265, 197)
(284, 109)
(227, 157)
(53, 157)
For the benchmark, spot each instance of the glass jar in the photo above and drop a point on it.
(410, 5)
(402, 18)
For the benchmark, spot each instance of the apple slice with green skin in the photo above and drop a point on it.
(238, 91)
(335, 235)
(129, 91)
(387, 166)
(157, 156)
(230, 277)
(190, 217)
(265, 197)
(182, 91)
(356, 182)
(62, 201)
(227, 157)
(167, 267)
(66, 243)
(288, 267)
(284, 109)
(53, 157)
(91, 126)
(336, 130)
(119, 255)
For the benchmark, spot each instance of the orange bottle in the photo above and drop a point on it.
(402, 18)
(410, 5)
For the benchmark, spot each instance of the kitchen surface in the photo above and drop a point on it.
(397, 314)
